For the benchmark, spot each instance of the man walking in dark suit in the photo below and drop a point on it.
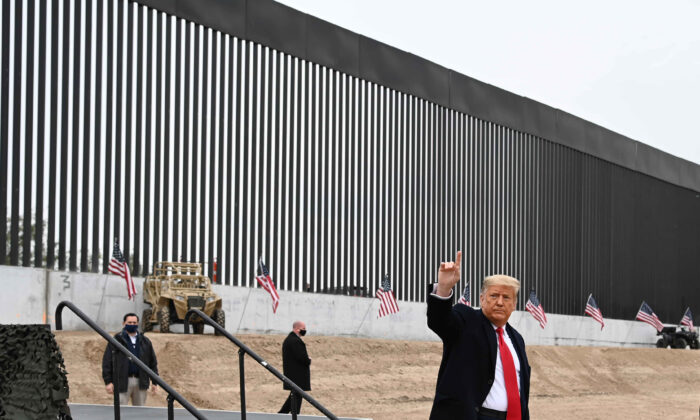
(296, 362)
(484, 373)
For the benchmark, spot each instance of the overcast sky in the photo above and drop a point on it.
(630, 66)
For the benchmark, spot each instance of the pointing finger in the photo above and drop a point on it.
(458, 261)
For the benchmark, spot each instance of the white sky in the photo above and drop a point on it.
(630, 66)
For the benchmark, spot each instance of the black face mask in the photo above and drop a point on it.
(131, 328)
(302, 332)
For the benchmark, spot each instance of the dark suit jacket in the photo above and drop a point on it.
(148, 356)
(296, 362)
(469, 360)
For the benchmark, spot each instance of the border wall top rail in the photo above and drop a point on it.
(285, 29)
(155, 378)
(257, 358)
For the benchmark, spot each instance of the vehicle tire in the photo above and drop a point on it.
(164, 319)
(146, 325)
(694, 344)
(220, 317)
(198, 328)
(680, 343)
(661, 343)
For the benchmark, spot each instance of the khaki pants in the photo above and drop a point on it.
(138, 396)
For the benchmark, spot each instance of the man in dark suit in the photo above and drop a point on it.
(296, 362)
(133, 382)
(484, 373)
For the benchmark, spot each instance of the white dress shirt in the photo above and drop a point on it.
(498, 398)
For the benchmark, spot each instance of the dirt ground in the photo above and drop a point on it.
(394, 380)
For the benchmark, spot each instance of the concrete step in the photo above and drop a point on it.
(100, 412)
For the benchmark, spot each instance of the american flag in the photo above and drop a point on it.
(118, 266)
(464, 299)
(593, 310)
(266, 283)
(387, 301)
(688, 319)
(645, 314)
(535, 308)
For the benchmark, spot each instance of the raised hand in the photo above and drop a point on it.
(448, 275)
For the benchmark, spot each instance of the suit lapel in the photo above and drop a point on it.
(491, 339)
(516, 343)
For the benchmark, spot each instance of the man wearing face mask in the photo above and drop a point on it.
(133, 383)
(296, 362)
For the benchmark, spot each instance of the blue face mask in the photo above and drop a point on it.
(131, 328)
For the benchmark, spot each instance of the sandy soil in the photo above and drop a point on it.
(392, 380)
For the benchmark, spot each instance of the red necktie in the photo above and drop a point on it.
(510, 378)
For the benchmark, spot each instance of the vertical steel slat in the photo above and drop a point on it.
(28, 140)
(177, 197)
(279, 180)
(96, 174)
(109, 138)
(231, 167)
(148, 141)
(353, 256)
(16, 141)
(167, 197)
(286, 140)
(118, 180)
(211, 202)
(128, 135)
(53, 134)
(295, 226)
(308, 181)
(245, 243)
(312, 269)
(85, 194)
(423, 143)
(4, 120)
(72, 258)
(139, 214)
(157, 221)
(389, 186)
(187, 143)
(370, 182)
(326, 192)
(193, 254)
(270, 185)
(252, 239)
(366, 191)
(203, 205)
(41, 140)
(220, 227)
(383, 169)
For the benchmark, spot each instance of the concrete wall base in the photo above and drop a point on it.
(30, 296)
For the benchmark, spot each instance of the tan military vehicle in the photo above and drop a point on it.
(172, 290)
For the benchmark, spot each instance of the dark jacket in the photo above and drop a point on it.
(469, 360)
(296, 362)
(148, 356)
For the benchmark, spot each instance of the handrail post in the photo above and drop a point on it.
(115, 384)
(294, 405)
(171, 410)
(241, 367)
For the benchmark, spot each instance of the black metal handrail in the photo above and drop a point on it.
(172, 394)
(242, 350)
